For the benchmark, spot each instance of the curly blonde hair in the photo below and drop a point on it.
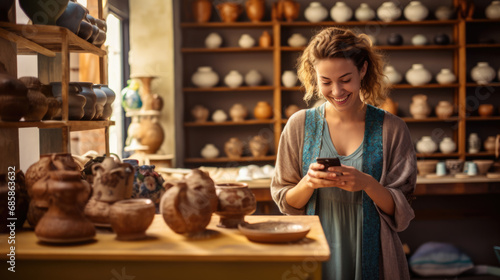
(335, 42)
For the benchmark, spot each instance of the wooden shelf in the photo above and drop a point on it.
(431, 119)
(471, 46)
(73, 125)
(437, 155)
(219, 89)
(226, 159)
(389, 48)
(408, 86)
(227, 25)
(486, 85)
(480, 154)
(226, 50)
(228, 123)
(479, 118)
(482, 20)
(368, 23)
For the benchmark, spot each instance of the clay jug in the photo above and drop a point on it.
(38, 104)
(390, 106)
(151, 134)
(258, 146)
(202, 10)
(419, 107)
(233, 148)
(229, 11)
(255, 9)
(265, 40)
(263, 110)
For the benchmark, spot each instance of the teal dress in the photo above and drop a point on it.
(341, 215)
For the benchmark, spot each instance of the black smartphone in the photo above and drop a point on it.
(327, 162)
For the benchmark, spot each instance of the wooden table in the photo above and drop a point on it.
(167, 255)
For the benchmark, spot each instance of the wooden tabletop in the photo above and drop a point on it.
(165, 245)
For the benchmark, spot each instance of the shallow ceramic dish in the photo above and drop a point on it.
(274, 232)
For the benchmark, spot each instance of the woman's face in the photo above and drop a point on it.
(340, 81)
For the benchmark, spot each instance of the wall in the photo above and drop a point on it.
(151, 54)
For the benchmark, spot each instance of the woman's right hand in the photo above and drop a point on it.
(317, 178)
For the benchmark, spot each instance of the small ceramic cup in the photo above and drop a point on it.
(130, 218)
(441, 168)
(471, 169)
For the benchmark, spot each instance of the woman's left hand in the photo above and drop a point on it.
(352, 179)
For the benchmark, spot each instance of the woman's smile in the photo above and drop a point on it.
(342, 100)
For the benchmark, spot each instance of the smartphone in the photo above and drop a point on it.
(327, 162)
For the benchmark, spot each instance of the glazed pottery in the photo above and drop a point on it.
(419, 40)
(426, 145)
(13, 98)
(315, 12)
(444, 109)
(213, 40)
(474, 143)
(38, 104)
(219, 116)
(483, 73)
(290, 9)
(233, 148)
(229, 11)
(441, 168)
(364, 12)
(76, 101)
(100, 102)
(246, 41)
(425, 167)
(291, 109)
(289, 78)
(493, 10)
(233, 79)
(444, 12)
(91, 100)
(485, 110)
(253, 78)
(419, 108)
(53, 105)
(131, 99)
(263, 110)
(447, 145)
(258, 146)
(235, 201)
(340, 12)
(209, 151)
(255, 9)
(130, 218)
(489, 144)
(148, 184)
(151, 134)
(95, 29)
(265, 40)
(205, 77)
(42, 12)
(85, 29)
(101, 36)
(392, 75)
(110, 98)
(200, 113)
(13, 188)
(441, 39)
(394, 39)
(483, 165)
(390, 106)
(454, 166)
(188, 204)
(5, 7)
(238, 112)
(202, 10)
(445, 77)
(418, 75)
(388, 12)
(297, 40)
(72, 17)
(415, 11)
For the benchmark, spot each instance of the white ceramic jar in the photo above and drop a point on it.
(445, 77)
(253, 78)
(418, 75)
(209, 151)
(205, 77)
(444, 12)
(493, 10)
(419, 40)
(315, 12)
(426, 145)
(238, 112)
(364, 12)
(289, 78)
(393, 76)
(419, 108)
(213, 40)
(297, 40)
(246, 41)
(219, 116)
(415, 11)
(340, 12)
(482, 73)
(447, 145)
(388, 12)
(233, 79)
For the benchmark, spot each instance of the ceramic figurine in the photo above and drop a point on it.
(444, 109)
(238, 112)
(229, 11)
(205, 77)
(483, 73)
(415, 11)
(235, 200)
(130, 218)
(213, 40)
(233, 148)
(426, 145)
(219, 116)
(340, 12)
(233, 79)
(148, 184)
(209, 151)
(255, 10)
(447, 145)
(263, 110)
(419, 108)
(417, 75)
(315, 12)
(253, 78)
(364, 12)
(388, 12)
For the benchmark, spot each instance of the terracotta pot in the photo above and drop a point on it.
(151, 134)
(37, 101)
(265, 40)
(229, 11)
(200, 113)
(202, 10)
(131, 218)
(485, 110)
(238, 112)
(390, 106)
(444, 109)
(21, 199)
(259, 146)
(255, 9)
(263, 110)
(65, 222)
(233, 148)
(235, 201)
(76, 101)
(13, 98)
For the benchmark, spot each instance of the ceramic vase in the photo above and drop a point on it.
(290, 9)
(13, 98)
(38, 104)
(233, 148)
(100, 102)
(246, 41)
(297, 40)
(205, 77)
(390, 106)
(131, 99)
(53, 105)
(13, 188)
(395, 39)
(259, 146)
(315, 12)
(263, 110)
(419, 108)
(415, 11)
(447, 145)
(238, 112)
(233, 79)
(493, 10)
(41, 12)
(340, 12)
(291, 109)
(485, 110)
(110, 98)
(229, 11)
(426, 145)
(90, 99)
(489, 144)
(72, 16)
(202, 10)
(219, 116)
(364, 12)
(445, 77)
(483, 73)
(444, 109)
(255, 10)
(76, 101)
(418, 75)
(148, 184)
(289, 78)
(265, 40)
(64, 221)
(151, 134)
(474, 143)
(235, 201)
(130, 218)
(200, 113)
(441, 39)
(253, 78)
(419, 40)
(392, 75)
(444, 12)
(388, 12)
(209, 151)
(213, 40)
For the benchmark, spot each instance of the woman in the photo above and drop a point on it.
(365, 202)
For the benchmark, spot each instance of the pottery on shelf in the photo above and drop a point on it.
(213, 40)
(263, 110)
(255, 9)
(485, 110)
(233, 79)
(238, 112)
(419, 40)
(13, 188)
(289, 78)
(419, 108)
(390, 106)
(415, 11)
(90, 99)
(253, 78)
(130, 218)
(233, 148)
(54, 106)
(489, 144)
(148, 184)
(483, 165)
(200, 113)
(444, 12)
(447, 145)
(235, 201)
(474, 143)
(13, 98)
(426, 145)
(454, 166)
(287, 9)
(76, 101)
(445, 77)
(493, 10)
(441, 39)
(444, 109)
(364, 12)
(395, 39)
(482, 73)
(229, 11)
(258, 146)
(315, 12)
(209, 151)
(291, 109)
(340, 12)
(110, 98)
(205, 77)
(246, 41)
(297, 40)
(427, 166)
(202, 10)
(219, 116)
(38, 104)
(151, 134)
(100, 102)
(388, 12)
(265, 40)
(41, 12)
(392, 75)
(417, 75)
(188, 204)
(72, 16)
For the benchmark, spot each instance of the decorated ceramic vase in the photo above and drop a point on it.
(213, 40)
(233, 79)
(205, 77)
(235, 201)
(131, 99)
(263, 110)
(419, 108)
(38, 103)
(238, 112)
(392, 75)
(444, 12)
(444, 109)
(219, 116)
(364, 12)
(130, 218)
(229, 11)
(493, 10)
(447, 145)
(200, 113)
(233, 148)
(388, 12)
(246, 41)
(148, 184)
(415, 11)
(253, 78)
(258, 146)
(297, 40)
(483, 73)
(315, 12)
(445, 77)
(418, 75)
(340, 12)
(209, 151)
(202, 10)
(289, 78)
(13, 98)
(426, 145)
(255, 9)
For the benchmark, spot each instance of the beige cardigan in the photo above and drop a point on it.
(399, 175)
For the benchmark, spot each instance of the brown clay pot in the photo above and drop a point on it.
(290, 10)
(38, 104)
(229, 11)
(130, 218)
(235, 201)
(485, 110)
(21, 201)
(255, 9)
(444, 109)
(202, 10)
(265, 40)
(233, 148)
(390, 106)
(54, 106)
(13, 98)
(263, 110)
(200, 113)
(151, 134)
(258, 146)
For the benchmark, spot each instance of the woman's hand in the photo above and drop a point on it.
(345, 177)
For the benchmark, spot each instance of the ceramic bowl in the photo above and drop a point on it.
(426, 166)
(130, 218)
(235, 201)
(274, 232)
(483, 165)
(454, 166)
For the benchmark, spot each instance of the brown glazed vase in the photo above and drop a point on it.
(202, 10)
(90, 100)
(38, 104)
(229, 11)
(290, 10)
(235, 201)
(130, 218)
(233, 148)
(255, 9)
(265, 40)
(12, 185)
(64, 221)
(13, 98)
(263, 110)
